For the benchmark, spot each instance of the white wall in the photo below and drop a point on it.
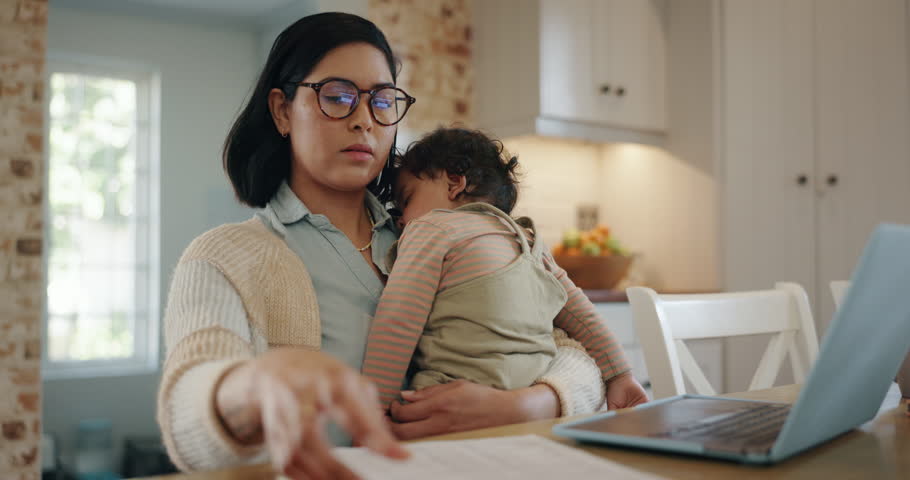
(663, 207)
(279, 19)
(655, 203)
(205, 73)
(557, 176)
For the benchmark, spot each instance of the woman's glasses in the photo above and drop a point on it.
(339, 98)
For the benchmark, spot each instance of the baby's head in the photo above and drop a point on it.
(450, 167)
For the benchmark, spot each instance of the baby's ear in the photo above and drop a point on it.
(456, 184)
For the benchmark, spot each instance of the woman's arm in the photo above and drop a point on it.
(571, 386)
(285, 397)
(574, 377)
(219, 405)
(206, 336)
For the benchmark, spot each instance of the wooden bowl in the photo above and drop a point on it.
(595, 273)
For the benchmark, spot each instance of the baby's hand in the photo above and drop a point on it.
(624, 391)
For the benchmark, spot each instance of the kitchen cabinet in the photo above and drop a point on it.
(816, 139)
(588, 69)
(629, 63)
(813, 145)
(800, 112)
(862, 171)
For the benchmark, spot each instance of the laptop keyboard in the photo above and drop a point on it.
(758, 425)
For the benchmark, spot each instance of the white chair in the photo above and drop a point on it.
(663, 322)
(839, 291)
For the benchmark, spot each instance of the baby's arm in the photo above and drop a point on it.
(581, 322)
(404, 306)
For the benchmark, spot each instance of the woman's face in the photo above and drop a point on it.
(339, 154)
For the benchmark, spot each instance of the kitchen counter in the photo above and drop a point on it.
(611, 296)
(606, 296)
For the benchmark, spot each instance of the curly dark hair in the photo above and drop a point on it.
(490, 172)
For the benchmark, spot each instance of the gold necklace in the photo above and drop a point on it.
(372, 224)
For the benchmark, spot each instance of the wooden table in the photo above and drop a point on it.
(879, 449)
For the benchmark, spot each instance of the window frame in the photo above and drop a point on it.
(146, 330)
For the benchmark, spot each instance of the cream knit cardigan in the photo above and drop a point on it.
(237, 291)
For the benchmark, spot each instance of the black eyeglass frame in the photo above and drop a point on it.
(318, 86)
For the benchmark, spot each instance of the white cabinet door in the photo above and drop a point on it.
(629, 38)
(603, 61)
(540, 66)
(816, 88)
(604, 81)
(768, 136)
(565, 60)
(769, 144)
(863, 131)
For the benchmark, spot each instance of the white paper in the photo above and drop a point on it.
(526, 457)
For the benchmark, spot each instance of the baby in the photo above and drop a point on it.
(472, 295)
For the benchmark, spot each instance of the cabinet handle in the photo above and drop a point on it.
(802, 179)
(832, 180)
(620, 91)
(605, 89)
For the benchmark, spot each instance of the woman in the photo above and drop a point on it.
(267, 320)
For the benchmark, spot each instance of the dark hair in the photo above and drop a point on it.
(490, 173)
(256, 157)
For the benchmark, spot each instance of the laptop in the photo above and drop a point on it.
(860, 355)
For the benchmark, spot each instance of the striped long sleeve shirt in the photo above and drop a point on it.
(446, 248)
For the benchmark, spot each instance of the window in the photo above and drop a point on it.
(102, 228)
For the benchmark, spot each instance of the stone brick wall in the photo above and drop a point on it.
(23, 32)
(433, 40)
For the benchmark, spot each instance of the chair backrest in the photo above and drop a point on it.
(839, 291)
(663, 322)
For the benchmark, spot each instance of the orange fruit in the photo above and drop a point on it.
(573, 252)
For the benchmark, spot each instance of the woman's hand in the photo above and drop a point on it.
(623, 391)
(462, 405)
(285, 397)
